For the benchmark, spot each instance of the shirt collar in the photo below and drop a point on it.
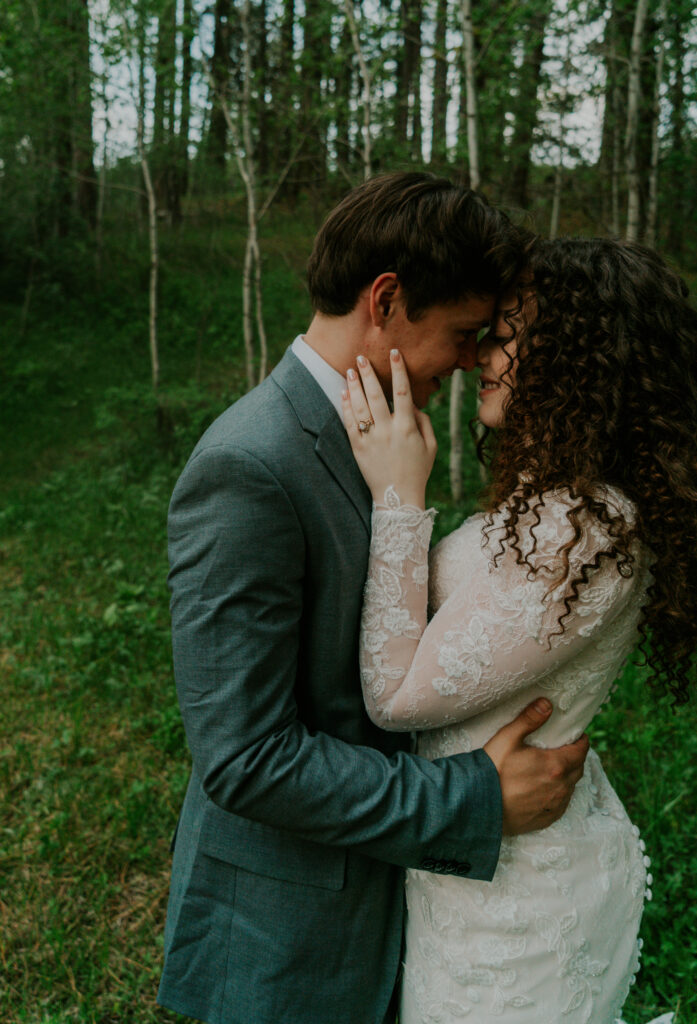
(329, 379)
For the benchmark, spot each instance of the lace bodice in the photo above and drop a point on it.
(494, 641)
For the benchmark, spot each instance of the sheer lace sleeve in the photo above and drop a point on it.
(497, 631)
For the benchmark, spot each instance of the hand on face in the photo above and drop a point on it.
(398, 449)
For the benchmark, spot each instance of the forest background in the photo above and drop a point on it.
(164, 165)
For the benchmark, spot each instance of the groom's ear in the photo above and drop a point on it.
(384, 292)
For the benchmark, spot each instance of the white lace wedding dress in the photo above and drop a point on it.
(553, 938)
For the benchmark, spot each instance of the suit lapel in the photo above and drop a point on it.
(318, 417)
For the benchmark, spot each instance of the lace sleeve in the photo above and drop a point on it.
(394, 601)
(497, 631)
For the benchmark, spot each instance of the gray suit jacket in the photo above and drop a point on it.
(286, 899)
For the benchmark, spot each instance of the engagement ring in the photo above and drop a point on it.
(364, 426)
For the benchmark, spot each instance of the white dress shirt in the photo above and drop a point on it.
(329, 379)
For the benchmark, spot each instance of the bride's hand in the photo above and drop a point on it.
(398, 449)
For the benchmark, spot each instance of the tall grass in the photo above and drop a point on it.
(93, 762)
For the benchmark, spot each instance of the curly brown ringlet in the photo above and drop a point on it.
(606, 392)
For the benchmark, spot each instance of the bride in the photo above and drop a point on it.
(587, 546)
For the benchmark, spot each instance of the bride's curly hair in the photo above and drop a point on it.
(606, 393)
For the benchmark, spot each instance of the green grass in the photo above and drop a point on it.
(93, 763)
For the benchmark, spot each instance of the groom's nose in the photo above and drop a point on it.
(468, 355)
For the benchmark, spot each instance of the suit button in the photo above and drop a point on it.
(428, 864)
(441, 865)
(451, 867)
(463, 869)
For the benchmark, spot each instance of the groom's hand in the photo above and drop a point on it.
(536, 785)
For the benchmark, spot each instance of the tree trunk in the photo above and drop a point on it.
(652, 208)
(440, 86)
(67, 131)
(676, 215)
(154, 257)
(262, 76)
(141, 45)
(556, 201)
(285, 90)
(565, 73)
(343, 84)
(164, 153)
(220, 74)
(101, 194)
(408, 98)
(633, 99)
(471, 94)
(529, 79)
(312, 162)
(616, 169)
(415, 63)
(366, 91)
(244, 150)
(188, 33)
(164, 59)
(81, 104)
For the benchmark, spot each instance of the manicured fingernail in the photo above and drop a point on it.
(351, 374)
(344, 395)
(395, 355)
(542, 706)
(362, 361)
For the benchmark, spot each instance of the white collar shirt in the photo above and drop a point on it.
(329, 379)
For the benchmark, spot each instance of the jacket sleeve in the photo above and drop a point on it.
(237, 555)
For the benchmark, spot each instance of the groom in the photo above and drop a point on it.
(300, 816)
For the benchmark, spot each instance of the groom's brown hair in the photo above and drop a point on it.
(443, 241)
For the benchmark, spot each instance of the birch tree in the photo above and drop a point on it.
(154, 257)
(652, 206)
(137, 43)
(244, 157)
